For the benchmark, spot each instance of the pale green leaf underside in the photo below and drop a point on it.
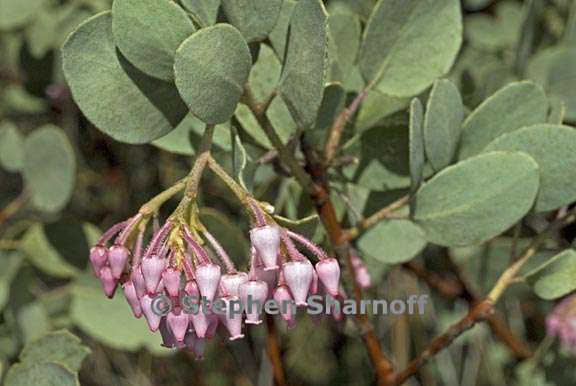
(393, 242)
(58, 346)
(49, 168)
(444, 115)
(410, 43)
(43, 373)
(302, 82)
(120, 100)
(255, 19)
(212, 67)
(553, 147)
(513, 106)
(416, 144)
(477, 199)
(11, 147)
(555, 278)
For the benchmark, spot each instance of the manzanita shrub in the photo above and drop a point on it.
(166, 163)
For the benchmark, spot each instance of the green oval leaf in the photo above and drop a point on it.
(148, 32)
(57, 346)
(477, 199)
(44, 373)
(212, 67)
(512, 107)
(302, 82)
(393, 242)
(109, 321)
(555, 278)
(444, 114)
(253, 18)
(553, 147)
(11, 147)
(410, 43)
(120, 100)
(49, 168)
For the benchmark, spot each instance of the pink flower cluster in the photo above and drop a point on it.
(177, 263)
(561, 322)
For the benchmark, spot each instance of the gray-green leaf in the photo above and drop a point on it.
(44, 374)
(49, 168)
(393, 241)
(119, 99)
(416, 145)
(302, 82)
(513, 106)
(212, 67)
(555, 278)
(204, 12)
(553, 147)
(444, 115)
(148, 32)
(477, 199)
(57, 346)
(254, 18)
(410, 43)
(11, 147)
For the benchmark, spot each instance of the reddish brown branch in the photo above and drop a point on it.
(13, 207)
(274, 352)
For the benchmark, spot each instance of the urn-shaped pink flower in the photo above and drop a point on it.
(178, 323)
(298, 275)
(208, 278)
(171, 279)
(285, 303)
(561, 322)
(108, 281)
(132, 298)
(138, 279)
(231, 282)
(118, 257)
(266, 241)
(152, 268)
(329, 274)
(253, 294)
(152, 317)
(232, 320)
(98, 258)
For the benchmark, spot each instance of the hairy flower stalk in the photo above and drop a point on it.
(175, 283)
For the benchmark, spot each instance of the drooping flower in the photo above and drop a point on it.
(266, 241)
(253, 294)
(562, 322)
(152, 268)
(329, 274)
(299, 276)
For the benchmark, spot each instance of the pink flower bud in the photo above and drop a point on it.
(118, 257)
(363, 277)
(299, 275)
(138, 279)
(168, 339)
(253, 294)
(266, 241)
(171, 278)
(232, 321)
(284, 301)
(98, 258)
(208, 278)
(329, 274)
(152, 317)
(231, 281)
(152, 268)
(178, 324)
(561, 322)
(132, 298)
(108, 281)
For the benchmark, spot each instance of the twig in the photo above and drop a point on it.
(316, 185)
(273, 348)
(13, 207)
(333, 142)
(482, 310)
(384, 213)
